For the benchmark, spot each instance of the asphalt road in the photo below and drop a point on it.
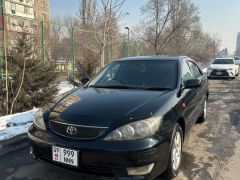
(211, 152)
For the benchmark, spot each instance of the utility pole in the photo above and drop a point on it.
(128, 29)
(73, 54)
(1, 41)
(43, 42)
(5, 41)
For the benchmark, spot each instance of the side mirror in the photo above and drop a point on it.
(84, 80)
(192, 83)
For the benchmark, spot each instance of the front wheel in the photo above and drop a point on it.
(175, 156)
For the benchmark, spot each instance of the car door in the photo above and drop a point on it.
(188, 97)
(201, 92)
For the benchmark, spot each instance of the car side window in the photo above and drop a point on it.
(186, 72)
(196, 72)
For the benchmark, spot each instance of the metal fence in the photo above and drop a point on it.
(66, 46)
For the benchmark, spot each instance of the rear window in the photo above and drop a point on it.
(223, 61)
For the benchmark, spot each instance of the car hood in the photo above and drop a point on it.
(222, 66)
(102, 107)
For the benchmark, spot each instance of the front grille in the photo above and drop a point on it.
(82, 132)
(216, 73)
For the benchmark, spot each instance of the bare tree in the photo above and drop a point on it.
(55, 38)
(206, 47)
(165, 19)
(157, 13)
(105, 22)
(86, 11)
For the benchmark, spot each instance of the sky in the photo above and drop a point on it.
(220, 17)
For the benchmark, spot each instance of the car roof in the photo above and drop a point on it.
(142, 58)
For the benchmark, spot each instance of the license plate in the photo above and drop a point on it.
(219, 73)
(65, 156)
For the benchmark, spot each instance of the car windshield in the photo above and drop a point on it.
(223, 61)
(139, 74)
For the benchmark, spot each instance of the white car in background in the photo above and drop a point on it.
(237, 61)
(223, 68)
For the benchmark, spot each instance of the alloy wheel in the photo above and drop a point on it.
(176, 151)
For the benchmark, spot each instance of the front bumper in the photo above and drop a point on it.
(101, 158)
(220, 73)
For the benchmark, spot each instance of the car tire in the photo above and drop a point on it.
(175, 155)
(202, 118)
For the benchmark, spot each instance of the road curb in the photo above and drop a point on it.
(13, 144)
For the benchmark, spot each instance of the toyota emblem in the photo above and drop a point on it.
(71, 130)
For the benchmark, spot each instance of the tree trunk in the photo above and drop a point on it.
(102, 63)
(20, 87)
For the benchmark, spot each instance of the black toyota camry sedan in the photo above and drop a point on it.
(128, 122)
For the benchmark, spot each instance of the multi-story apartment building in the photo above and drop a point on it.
(18, 14)
(41, 10)
(23, 12)
(238, 45)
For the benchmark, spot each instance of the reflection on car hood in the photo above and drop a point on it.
(100, 107)
(222, 66)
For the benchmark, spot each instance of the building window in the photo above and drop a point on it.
(13, 8)
(26, 10)
(26, 24)
(43, 16)
(14, 23)
(43, 3)
(21, 0)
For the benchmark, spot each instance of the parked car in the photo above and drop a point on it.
(223, 68)
(129, 122)
(237, 61)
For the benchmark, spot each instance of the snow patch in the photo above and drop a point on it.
(17, 124)
(64, 87)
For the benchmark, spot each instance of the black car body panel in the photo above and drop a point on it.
(112, 108)
(110, 102)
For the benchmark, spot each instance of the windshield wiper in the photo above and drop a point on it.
(158, 88)
(114, 87)
(131, 87)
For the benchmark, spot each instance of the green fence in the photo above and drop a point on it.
(68, 47)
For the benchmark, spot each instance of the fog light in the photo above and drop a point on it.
(133, 171)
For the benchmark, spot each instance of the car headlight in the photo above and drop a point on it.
(230, 69)
(136, 130)
(38, 121)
